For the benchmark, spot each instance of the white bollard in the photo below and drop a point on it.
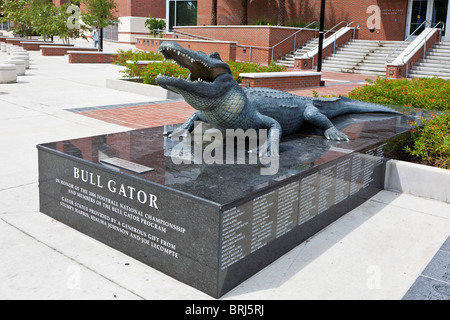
(3, 47)
(20, 65)
(24, 57)
(8, 73)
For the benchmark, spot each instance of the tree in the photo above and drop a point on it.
(43, 15)
(244, 12)
(281, 12)
(214, 12)
(18, 14)
(60, 24)
(99, 13)
(154, 24)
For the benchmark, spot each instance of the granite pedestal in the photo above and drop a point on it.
(212, 226)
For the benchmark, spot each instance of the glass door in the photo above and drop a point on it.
(418, 15)
(440, 13)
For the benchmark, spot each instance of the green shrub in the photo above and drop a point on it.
(124, 56)
(423, 93)
(249, 67)
(149, 73)
(428, 143)
(431, 141)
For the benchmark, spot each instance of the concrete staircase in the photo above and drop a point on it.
(362, 57)
(288, 60)
(435, 63)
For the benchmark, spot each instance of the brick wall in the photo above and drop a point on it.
(141, 8)
(255, 43)
(90, 57)
(61, 50)
(281, 81)
(226, 49)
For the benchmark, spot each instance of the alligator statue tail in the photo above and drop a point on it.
(333, 107)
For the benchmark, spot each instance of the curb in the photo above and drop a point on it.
(140, 88)
(418, 180)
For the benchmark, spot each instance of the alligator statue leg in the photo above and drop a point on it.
(313, 116)
(187, 126)
(273, 136)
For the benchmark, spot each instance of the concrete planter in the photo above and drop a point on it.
(140, 88)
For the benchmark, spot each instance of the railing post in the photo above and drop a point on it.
(295, 41)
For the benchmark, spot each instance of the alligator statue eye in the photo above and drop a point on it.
(215, 55)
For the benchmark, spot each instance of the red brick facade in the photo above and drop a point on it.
(255, 43)
(226, 49)
(135, 8)
(393, 14)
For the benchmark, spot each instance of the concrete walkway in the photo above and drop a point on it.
(377, 251)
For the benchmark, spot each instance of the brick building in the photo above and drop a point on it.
(388, 19)
(392, 19)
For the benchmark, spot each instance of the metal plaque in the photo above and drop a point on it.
(127, 165)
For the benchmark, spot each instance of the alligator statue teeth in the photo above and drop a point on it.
(223, 103)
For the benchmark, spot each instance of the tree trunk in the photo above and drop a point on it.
(244, 12)
(214, 13)
(100, 40)
(281, 12)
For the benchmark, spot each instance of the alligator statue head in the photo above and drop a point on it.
(209, 76)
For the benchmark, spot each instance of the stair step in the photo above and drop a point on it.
(370, 68)
(435, 71)
(413, 75)
(440, 62)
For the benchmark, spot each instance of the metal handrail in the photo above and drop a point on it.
(334, 42)
(325, 34)
(293, 35)
(425, 41)
(406, 40)
(193, 35)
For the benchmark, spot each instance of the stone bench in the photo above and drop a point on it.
(36, 45)
(281, 80)
(15, 41)
(8, 73)
(90, 57)
(62, 50)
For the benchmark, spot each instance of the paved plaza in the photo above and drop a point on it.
(376, 251)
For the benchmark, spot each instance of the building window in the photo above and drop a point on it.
(182, 13)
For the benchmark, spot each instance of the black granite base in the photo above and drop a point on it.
(211, 226)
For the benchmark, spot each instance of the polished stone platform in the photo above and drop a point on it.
(212, 226)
